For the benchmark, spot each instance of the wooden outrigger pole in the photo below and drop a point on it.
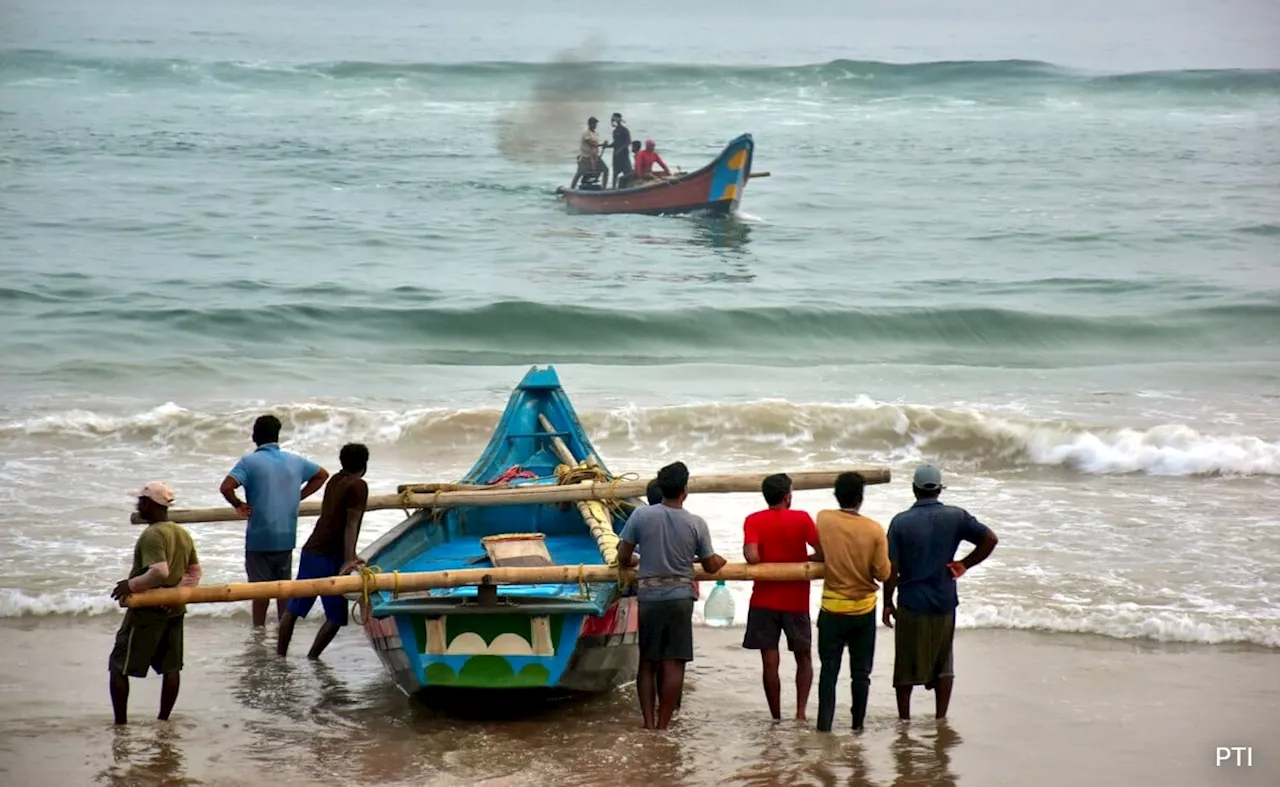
(618, 489)
(370, 581)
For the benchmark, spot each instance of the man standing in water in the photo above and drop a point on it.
(669, 539)
(621, 150)
(855, 556)
(274, 482)
(152, 636)
(331, 549)
(780, 535)
(922, 549)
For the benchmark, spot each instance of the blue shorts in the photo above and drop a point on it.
(313, 566)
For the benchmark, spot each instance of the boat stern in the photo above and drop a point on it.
(730, 173)
(474, 649)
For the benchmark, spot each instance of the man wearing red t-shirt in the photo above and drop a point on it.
(780, 535)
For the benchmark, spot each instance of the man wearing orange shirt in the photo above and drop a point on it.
(856, 558)
(780, 535)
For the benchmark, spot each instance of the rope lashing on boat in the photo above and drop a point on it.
(368, 583)
(511, 474)
(598, 515)
(437, 513)
(407, 503)
(582, 580)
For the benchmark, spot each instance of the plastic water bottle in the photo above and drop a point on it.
(718, 611)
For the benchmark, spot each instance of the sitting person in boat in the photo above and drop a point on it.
(645, 161)
(589, 161)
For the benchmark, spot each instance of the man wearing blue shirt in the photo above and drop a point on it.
(923, 569)
(274, 482)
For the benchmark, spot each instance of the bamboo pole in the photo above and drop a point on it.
(428, 580)
(436, 486)
(596, 517)
(534, 495)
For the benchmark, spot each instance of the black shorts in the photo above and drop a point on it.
(622, 163)
(147, 638)
(269, 566)
(766, 626)
(666, 630)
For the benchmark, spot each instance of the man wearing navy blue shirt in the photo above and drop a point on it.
(922, 550)
(274, 482)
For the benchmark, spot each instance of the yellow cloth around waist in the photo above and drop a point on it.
(840, 604)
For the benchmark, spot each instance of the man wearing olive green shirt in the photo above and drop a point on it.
(152, 636)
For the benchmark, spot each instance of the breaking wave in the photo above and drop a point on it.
(737, 433)
(630, 77)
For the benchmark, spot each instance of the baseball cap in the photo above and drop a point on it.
(927, 477)
(158, 492)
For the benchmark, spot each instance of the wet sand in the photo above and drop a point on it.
(1029, 709)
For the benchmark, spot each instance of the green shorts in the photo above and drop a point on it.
(147, 638)
(922, 650)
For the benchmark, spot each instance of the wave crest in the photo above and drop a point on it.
(847, 75)
(722, 433)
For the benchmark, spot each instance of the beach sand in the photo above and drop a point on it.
(1029, 709)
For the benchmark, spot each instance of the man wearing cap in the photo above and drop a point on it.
(589, 147)
(621, 145)
(922, 549)
(164, 556)
(274, 482)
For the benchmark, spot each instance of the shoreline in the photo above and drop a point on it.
(1029, 708)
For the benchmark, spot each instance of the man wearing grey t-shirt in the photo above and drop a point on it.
(669, 539)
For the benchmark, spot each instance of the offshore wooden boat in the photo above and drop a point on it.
(576, 637)
(716, 188)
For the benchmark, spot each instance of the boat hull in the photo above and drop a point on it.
(716, 188)
(575, 636)
(579, 653)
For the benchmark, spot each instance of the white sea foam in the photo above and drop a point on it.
(1095, 553)
(21, 604)
(1125, 621)
(764, 429)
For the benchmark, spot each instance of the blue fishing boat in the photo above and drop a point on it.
(576, 637)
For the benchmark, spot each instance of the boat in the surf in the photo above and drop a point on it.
(716, 188)
(578, 637)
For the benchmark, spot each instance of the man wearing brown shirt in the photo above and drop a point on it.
(856, 558)
(331, 549)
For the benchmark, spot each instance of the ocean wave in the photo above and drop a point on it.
(750, 432)
(518, 331)
(1123, 621)
(633, 77)
(72, 603)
